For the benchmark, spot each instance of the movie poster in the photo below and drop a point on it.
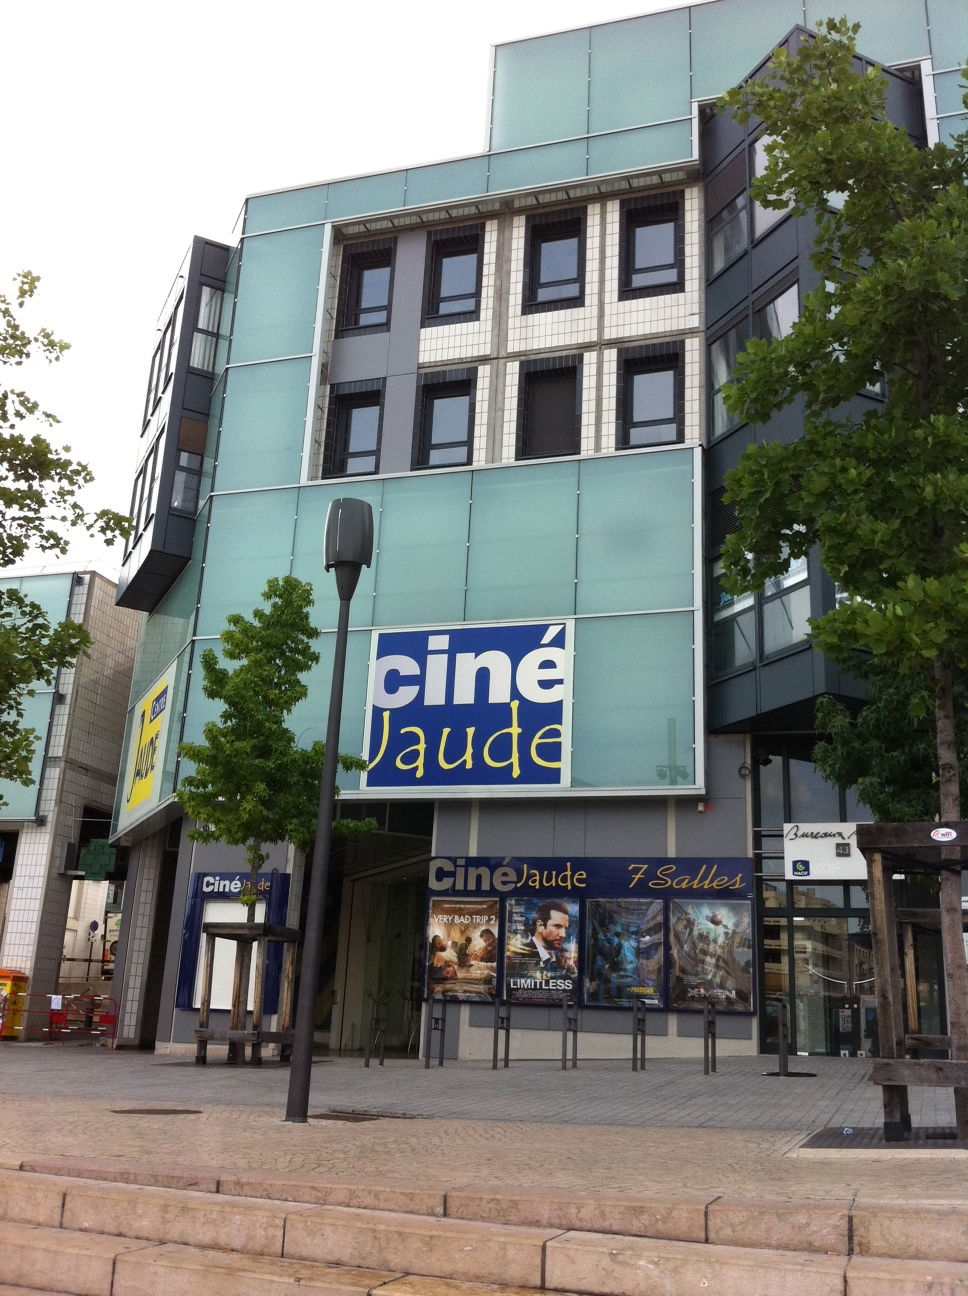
(711, 954)
(541, 951)
(462, 949)
(623, 953)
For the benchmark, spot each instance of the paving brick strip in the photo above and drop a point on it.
(164, 1183)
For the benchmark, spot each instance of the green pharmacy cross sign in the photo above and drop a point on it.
(96, 860)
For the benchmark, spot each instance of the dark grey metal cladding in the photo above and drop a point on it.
(390, 355)
(163, 547)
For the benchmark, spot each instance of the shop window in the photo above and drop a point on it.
(354, 433)
(548, 413)
(554, 270)
(652, 248)
(188, 465)
(365, 286)
(454, 282)
(652, 402)
(728, 234)
(722, 362)
(446, 421)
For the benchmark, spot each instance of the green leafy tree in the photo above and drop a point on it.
(39, 487)
(252, 784)
(888, 750)
(882, 494)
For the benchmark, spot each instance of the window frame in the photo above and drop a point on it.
(764, 301)
(440, 244)
(649, 359)
(740, 324)
(344, 399)
(541, 229)
(356, 259)
(432, 388)
(530, 375)
(635, 214)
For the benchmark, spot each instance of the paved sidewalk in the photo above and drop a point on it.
(600, 1128)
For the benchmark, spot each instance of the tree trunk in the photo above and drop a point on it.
(952, 942)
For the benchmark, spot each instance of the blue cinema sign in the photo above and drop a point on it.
(472, 706)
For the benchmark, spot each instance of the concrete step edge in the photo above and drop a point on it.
(930, 1231)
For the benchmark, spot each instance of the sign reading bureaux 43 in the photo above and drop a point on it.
(474, 706)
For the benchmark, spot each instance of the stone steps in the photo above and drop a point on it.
(247, 1234)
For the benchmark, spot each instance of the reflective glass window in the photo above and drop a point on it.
(445, 426)
(734, 626)
(722, 362)
(454, 283)
(652, 248)
(764, 218)
(650, 404)
(555, 262)
(365, 287)
(728, 234)
(775, 318)
(354, 438)
(785, 620)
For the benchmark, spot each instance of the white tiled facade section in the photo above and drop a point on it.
(464, 341)
(694, 386)
(667, 313)
(482, 407)
(145, 873)
(589, 402)
(554, 329)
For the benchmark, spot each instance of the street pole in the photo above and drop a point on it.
(348, 548)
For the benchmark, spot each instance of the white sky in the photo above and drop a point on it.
(131, 127)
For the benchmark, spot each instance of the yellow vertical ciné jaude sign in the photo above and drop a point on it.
(146, 745)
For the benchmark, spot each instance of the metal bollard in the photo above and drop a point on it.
(709, 1038)
(638, 1035)
(569, 1023)
(782, 1038)
(436, 1021)
(502, 1022)
(377, 1030)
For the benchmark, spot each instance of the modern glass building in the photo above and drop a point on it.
(582, 754)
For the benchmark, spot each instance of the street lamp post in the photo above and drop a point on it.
(348, 547)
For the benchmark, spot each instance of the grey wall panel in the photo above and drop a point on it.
(396, 436)
(408, 278)
(728, 1026)
(452, 827)
(626, 827)
(358, 358)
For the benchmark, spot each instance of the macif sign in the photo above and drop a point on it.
(474, 706)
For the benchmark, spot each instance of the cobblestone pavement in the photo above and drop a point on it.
(600, 1127)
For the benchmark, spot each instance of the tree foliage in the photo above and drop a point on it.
(38, 507)
(883, 492)
(252, 784)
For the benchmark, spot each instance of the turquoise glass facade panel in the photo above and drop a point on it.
(948, 21)
(211, 439)
(421, 568)
(540, 90)
(250, 539)
(890, 33)
(263, 425)
(275, 313)
(307, 549)
(536, 166)
(373, 193)
(522, 555)
(200, 710)
(283, 210)
(635, 533)
(308, 721)
(169, 627)
(51, 593)
(17, 801)
(949, 89)
(949, 127)
(732, 37)
(633, 709)
(635, 149)
(446, 181)
(622, 93)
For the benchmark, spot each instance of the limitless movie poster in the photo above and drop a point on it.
(541, 955)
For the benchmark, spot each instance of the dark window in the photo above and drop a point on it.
(365, 287)
(554, 272)
(548, 419)
(205, 336)
(651, 405)
(652, 248)
(722, 362)
(444, 434)
(355, 433)
(728, 234)
(454, 285)
(188, 465)
(775, 318)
